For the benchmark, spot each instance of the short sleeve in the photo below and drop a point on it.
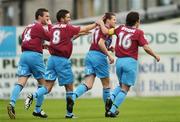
(101, 35)
(74, 30)
(40, 32)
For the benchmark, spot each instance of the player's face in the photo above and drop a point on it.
(45, 18)
(112, 21)
(67, 18)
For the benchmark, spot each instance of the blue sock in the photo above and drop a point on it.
(69, 94)
(39, 101)
(15, 94)
(40, 92)
(115, 92)
(118, 101)
(80, 90)
(106, 94)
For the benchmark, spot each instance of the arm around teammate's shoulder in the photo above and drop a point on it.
(86, 28)
(104, 29)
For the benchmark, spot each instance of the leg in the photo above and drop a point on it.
(106, 94)
(112, 97)
(89, 77)
(46, 86)
(69, 101)
(40, 99)
(126, 70)
(119, 72)
(115, 92)
(81, 89)
(39, 96)
(118, 100)
(17, 89)
(15, 94)
(39, 93)
(106, 88)
(84, 87)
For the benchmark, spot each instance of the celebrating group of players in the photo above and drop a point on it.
(97, 60)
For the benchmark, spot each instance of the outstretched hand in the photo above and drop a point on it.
(100, 21)
(157, 58)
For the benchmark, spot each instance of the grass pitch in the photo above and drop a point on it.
(134, 109)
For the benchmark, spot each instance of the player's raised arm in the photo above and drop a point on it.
(104, 29)
(100, 22)
(86, 28)
(111, 17)
(81, 34)
(150, 52)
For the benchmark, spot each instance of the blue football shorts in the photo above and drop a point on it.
(31, 63)
(96, 63)
(60, 68)
(126, 70)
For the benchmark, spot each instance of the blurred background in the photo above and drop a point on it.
(160, 22)
(21, 12)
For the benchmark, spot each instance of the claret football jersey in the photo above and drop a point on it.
(97, 35)
(61, 36)
(33, 37)
(128, 40)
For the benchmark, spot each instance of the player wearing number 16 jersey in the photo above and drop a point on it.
(129, 38)
(31, 60)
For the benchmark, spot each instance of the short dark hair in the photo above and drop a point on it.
(108, 15)
(132, 18)
(61, 14)
(39, 12)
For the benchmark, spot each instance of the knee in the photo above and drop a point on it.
(88, 86)
(21, 82)
(69, 87)
(49, 86)
(125, 88)
(49, 89)
(105, 82)
(107, 85)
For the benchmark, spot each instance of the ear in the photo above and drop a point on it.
(107, 21)
(39, 17)
(137, 24)
(61, 20)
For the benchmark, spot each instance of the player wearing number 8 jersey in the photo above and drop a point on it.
(129, 38)
(31, 60)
